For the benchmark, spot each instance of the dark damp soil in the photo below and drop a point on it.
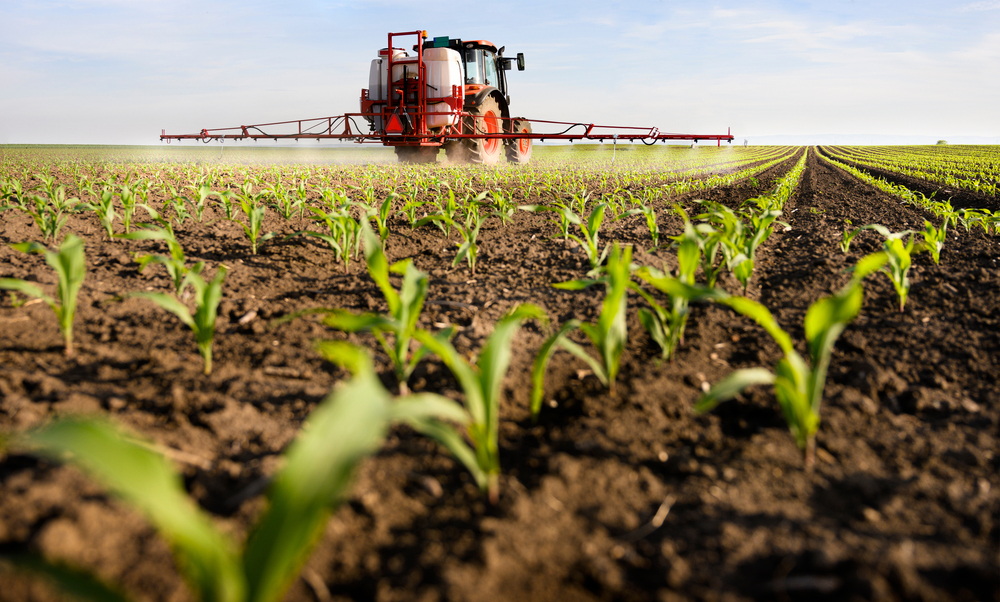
(903, 502)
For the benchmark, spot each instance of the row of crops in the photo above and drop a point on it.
(975, 168)
(353, 211)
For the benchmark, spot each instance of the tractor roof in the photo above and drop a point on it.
(458, 44)
(481, 43)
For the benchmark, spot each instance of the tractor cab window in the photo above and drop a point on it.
(481, 67)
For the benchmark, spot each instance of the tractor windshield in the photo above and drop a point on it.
(481, 67)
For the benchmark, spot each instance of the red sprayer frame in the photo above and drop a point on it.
(406, 124)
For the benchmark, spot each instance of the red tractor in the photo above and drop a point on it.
(449, 94)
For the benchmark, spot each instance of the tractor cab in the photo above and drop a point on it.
(484, 64)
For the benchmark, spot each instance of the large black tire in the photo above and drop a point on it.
(486, 119)
(519, 149)
(416, 154)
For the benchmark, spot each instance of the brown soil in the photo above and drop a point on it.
(903, 503)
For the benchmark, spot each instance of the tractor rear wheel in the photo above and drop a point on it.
(519, 149)
(486, 119)
(416, 154)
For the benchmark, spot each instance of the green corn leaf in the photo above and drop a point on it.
(144, 478)
(24, 287)
(542, 358)
(78, 583)
(169, 303)
(576, 285)
(422, 406)
(341, 319)
(762, 316)
(349, 424)
(732, 385)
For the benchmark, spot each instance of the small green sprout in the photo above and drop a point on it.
(482, 385)
(934, 239)
(405, 306)
(175, 263)
(649, 213)
(202, 323)
(348, 425)
(666, 325)
(798, 385)
(848, 236)
(105, 210)
(254, 210)
(70, 266)
(468, 249)
(898, 258)
(609, 335)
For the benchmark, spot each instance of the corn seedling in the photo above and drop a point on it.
(898, 259)
(127, 195)
(847, 237)
(49, 212)
(566, 216)
(798, 385)
(202, 322)
(381, 215)
(348, 425)
(468, 249)
(503, 205)
(202, 191)
(70, 266)
(609, 335)
(666, 325)
(254, 210)
(105, 210)
(649, 213)
(344, 236)
(175, 263)
(405, 306)
(226, 202)
(482, 385)
(934, 239)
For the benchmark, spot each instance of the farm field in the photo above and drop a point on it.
(613, 493)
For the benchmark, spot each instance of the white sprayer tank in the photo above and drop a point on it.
(444, 70)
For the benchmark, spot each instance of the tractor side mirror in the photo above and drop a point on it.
(505, 64)
(520, 61)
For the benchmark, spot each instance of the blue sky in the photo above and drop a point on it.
(117, 71)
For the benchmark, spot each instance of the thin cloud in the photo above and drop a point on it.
(980, 6)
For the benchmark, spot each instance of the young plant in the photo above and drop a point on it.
(206, 297)
(566, 216)
(254, 210)
(105, 210)
(70, 266)
(344, 236)
(175, 263)
(934, 239)
(898, 259)
(49, 212)
(609, 335)
(314, 478)
(666, 325)
(405, 306)
(847, 237)
(649, 213)
(381, 215)
(482, 385)
(798, 385)
(468, 249)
